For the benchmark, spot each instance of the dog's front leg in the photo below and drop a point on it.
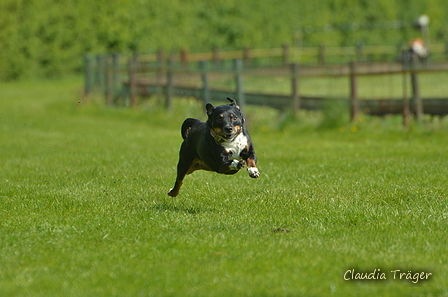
(228, 165)
(251, 160)
(252, 167)
(237, 164)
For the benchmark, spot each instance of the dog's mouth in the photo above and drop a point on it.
(221, 135)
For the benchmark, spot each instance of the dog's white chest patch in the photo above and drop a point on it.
(236, 146)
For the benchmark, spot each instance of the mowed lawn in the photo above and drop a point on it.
(84, 209)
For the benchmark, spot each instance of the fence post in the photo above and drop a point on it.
(159, 71)
(99, 71)
(446, 50)
(88, 76)
(169, 83)
(115, 74)
(205, 87)
(295, 87)
(354, 104)
(417, 100)
(285, 54)
(184, 57)
(160, 56)
(108, 80)
(239, 83)
(360, 52)
(406, 107)
(133, 79)
(246, 56)
(321, 54)
(216, 58)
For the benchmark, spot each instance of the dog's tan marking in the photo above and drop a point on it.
(197, 164)
(237, 129)
(252, 168)
(251, 163)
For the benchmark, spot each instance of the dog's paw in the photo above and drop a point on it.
(241, 164)
(234, 164)
(237, 164)
(173, 193)
(253, 172)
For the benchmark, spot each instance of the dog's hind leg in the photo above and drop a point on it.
(183, 168)
(175, 190)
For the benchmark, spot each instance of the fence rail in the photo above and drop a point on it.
(320, 54)
(145, 75)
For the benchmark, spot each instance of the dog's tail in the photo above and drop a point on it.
(186, 126)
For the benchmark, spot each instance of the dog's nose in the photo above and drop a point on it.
(228, 129)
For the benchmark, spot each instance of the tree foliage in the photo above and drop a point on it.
(49, 37)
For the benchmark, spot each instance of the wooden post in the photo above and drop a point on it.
(108, 80)
(446, 50)
(295, 87)
(416, 98)
(99, 71)
(285, 54)
(321, 54)
(184, 57)
(406, 106)
(133, 79)
(205, 86)
(246, 56)
(360, 52)
(88, 75)
(159, 71)
(239, 84)
(160, 56)
(354, 104)
(216, 57)
(115, 74)
(169, 83)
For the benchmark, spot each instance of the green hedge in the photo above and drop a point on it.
(49, 37)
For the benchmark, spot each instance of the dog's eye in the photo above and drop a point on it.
(234, 118)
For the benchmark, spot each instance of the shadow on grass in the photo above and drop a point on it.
(169, 207)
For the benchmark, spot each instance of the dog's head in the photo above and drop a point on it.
(225, 121)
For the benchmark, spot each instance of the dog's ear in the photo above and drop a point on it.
(233, 103)
(209, 107)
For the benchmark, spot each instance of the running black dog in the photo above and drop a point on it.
(222, 144)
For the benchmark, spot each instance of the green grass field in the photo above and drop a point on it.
(84, 209)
